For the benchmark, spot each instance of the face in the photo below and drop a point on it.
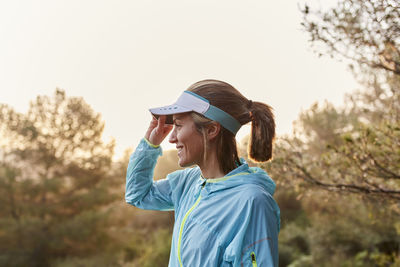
(187, 139)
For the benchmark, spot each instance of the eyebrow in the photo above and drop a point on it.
(178, 117)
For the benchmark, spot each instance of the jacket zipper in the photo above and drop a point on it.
(183, 224)
(253, 259)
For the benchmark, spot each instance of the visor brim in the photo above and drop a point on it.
(168, 111)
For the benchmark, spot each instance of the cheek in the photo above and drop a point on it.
(192, 141)
(197, 144)
(181, 136)
(186, 135)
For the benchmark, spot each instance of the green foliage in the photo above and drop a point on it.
(352, 151)
(148, 250)
(337, 230)
(145, 235)
(353, 148)
(155, 252)
(101, 260)
(302, 261)
(293, 244)
(365, 32)
(55, 182)
(358, 227)
(293, 239)
(363, 160)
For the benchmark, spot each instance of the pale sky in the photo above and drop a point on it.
(124, 57)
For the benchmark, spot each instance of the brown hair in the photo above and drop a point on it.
(230, 100)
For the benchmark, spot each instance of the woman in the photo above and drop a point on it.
(224, 211)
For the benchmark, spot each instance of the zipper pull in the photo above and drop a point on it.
(203, 184)
(253, 259)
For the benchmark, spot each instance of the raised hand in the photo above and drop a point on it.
(158, 130)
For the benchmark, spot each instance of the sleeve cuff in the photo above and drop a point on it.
(150, 144)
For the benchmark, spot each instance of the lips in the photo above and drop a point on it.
(179, 148)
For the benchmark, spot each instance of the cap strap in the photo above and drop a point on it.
(226, 120)
(216, 114)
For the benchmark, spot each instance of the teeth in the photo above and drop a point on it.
(179, 150)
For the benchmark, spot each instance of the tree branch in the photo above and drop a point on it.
(394, 194)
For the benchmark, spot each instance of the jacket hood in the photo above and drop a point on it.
(239, 176)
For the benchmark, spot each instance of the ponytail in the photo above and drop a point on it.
(224, 96)
(262, 131)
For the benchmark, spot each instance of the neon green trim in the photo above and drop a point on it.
(182, 225)
(150, 144)
(253, 259)
(216, 180)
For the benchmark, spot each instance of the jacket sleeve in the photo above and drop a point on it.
(256, 242)
(141, 191)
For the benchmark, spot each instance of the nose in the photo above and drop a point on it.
(172, 137)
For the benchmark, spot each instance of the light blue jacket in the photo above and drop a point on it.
(229, 221)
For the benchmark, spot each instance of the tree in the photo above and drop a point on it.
(354, 148)
(334, 153)
(55, 182)
(364, 32)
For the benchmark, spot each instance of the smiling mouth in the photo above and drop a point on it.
(179, 148)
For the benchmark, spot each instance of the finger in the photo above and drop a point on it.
(164, 128)
(152, 126)
(153, 122)
(161, 121)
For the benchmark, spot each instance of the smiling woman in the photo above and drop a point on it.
(188, 140)
(225, 214)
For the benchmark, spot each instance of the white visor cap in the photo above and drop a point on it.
(190, 101)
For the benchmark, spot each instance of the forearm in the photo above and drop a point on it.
(139, 176)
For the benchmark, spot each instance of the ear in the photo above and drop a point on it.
(213, 129)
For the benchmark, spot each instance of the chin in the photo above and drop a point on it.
(183, 163)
